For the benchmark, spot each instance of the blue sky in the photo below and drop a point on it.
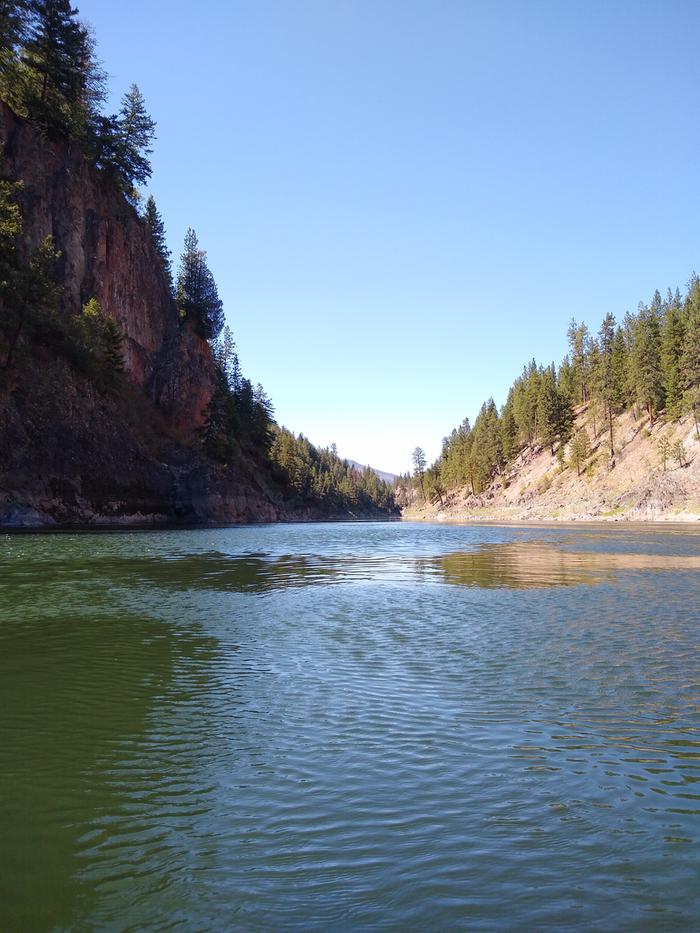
(403, 202)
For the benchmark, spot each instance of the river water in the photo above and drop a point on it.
(382, 726)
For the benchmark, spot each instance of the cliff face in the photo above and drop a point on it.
(107, 254)
(69, 454)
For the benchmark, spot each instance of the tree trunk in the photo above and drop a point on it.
(610, 425)
(650, 412)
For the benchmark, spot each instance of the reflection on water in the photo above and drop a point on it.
(526, 565)
(518, 565)
(304, 726)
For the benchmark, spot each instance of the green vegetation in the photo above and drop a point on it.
(50, 75)
(319, 475)
(239, 420)
(579, 450)
(28, 290)
(663, 446)
(196, 293)
(156, 228)
(29, 307)
(649, 362)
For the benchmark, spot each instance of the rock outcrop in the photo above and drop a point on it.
(70, 454)
(107, 254)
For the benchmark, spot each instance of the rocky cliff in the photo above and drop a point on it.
(107, 254)
(68, 453)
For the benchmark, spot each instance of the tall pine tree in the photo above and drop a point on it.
(197, 296)
(156, 228)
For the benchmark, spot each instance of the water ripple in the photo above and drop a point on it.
(381, 726)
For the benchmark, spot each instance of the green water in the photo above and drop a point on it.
(386, 726)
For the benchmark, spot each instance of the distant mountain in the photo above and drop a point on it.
(387, 477)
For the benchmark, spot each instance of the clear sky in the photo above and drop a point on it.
(405, 200)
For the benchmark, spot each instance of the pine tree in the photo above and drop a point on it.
(547, 409)
(226, 358)
(509, 430)
(221, 422)
(620, 356)
(57, 58)
(645, 361)
(578, 342)
(580, 449)
(419, 464)
(197, 296)
(690, 358)
(663, 445)
(671, 351)
(137, 131)
(14, 22)
(679, 453)
(605, 376)
(156, 228)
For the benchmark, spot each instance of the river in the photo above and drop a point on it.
(372, 725)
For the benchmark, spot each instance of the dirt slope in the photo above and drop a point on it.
(632, 487)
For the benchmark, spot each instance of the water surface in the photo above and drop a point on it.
(373, 725)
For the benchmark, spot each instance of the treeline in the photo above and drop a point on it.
(650, 362)
(320, 475)
(240, 420)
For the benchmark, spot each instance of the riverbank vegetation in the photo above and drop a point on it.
(648, 364)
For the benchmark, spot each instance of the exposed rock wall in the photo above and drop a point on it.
(67, 453)
(107, 254)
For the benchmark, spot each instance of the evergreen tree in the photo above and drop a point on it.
(509, 430)
(663, 445)
(580, 449)
(419, 464)
(156, 228)
(14, 18)
(671, 352)
(690, 358)
(645, 361)
(197, 296)
(137, 131)
(679, 453)
(578, 342)
(57, 59)
(122, 143)
(226, 358)
(606, 377)
(548, 409)
(221, 423)
(620, 356)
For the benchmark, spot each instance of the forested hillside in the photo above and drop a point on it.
(122, 398)
(639, 378)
